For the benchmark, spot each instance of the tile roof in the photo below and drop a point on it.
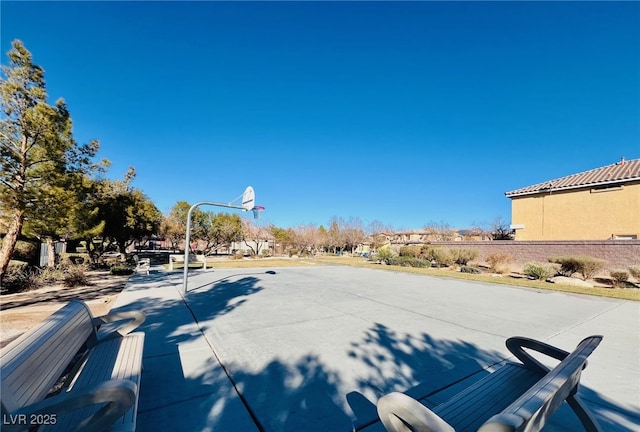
(616, 173)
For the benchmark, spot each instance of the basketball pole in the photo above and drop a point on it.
(248, 205)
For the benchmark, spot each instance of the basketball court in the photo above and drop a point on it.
(312, 348)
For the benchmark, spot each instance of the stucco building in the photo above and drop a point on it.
(599, 204)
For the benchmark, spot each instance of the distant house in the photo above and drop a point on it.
(397, 239)
(602, 203)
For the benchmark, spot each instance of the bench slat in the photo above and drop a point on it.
(33, 363)
(118, 358)
(544, 398)
(477, 403)
(515, 398)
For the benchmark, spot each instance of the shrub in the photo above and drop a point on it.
(74, 275)
(20, 277)
(619, 277)
(425, 251)
(635, 271)
(568, 264)
(499, 261)
(441, 257)
(462, 256)
(52, 274)
(538, 271)
(408, 261)
(589, 266)
(120, 270)
(410, 251)
(469, 269)
(385, 254)
(292, 252)
(25, 251)
(266, 253)
(74, 258)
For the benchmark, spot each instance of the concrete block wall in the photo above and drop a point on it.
(619, 253)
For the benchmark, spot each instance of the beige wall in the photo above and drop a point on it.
(619, 253)
(582, 214)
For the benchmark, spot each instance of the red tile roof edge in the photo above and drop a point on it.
(619, 172)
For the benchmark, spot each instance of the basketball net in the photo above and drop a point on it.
(257, 211)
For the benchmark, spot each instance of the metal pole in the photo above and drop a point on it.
(188, 237)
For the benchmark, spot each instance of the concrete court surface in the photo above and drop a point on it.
(312, 348)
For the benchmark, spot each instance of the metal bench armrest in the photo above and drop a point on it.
(119, 396)
(516, 345)
(132, 320)
(540, 402)
(401, 413)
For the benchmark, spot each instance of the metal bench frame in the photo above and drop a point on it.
(143, 265)
(538, 393)
(100, 389)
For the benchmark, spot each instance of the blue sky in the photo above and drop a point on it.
(405, 113)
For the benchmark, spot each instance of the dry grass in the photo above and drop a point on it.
(617, 293)
(253, 263)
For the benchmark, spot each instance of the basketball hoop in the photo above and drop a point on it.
(257, 211)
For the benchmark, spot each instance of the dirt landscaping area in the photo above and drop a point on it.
(21, 311)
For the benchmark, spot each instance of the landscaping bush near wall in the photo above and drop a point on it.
(618, 253)
(585, 265)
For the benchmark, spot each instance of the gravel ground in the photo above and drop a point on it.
(21, 311)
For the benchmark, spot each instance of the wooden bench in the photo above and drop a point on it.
(514, 398)
(73, 372)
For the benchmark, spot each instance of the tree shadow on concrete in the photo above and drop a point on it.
(417, 364)
(299, 396)
(399, 360)
(443, 368)
(308, 394)
(180, 370)
(185, 388)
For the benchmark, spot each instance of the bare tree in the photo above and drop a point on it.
(497, 229)
(377, 234)
(441, 231)
(335, 235)
(307, 238)
(481, 230)
(256, 235)
(501, 229)
(353, 232)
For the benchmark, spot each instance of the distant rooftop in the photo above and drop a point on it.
(619, 172)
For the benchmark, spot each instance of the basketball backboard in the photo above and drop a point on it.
(248, 199)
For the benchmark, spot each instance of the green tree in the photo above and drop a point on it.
(174, 225)
(115, 213)
(212, 230)
(169, 229)
(128, 214)
(221, 229)
(283, 238)
(40, 157)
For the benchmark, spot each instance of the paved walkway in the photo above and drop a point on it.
(310, 348)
